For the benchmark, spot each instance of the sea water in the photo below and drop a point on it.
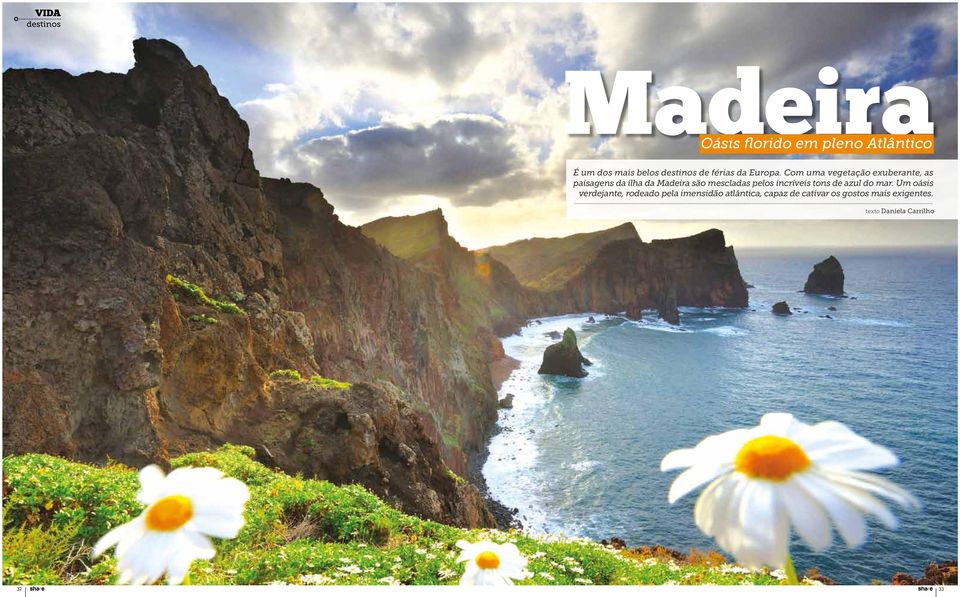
(581, 456)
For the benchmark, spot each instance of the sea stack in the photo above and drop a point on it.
(782, 308)
(564, 358)
(826, 278)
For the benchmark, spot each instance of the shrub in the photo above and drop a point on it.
(203, 319)
(286, 374)
(196, 293)
(329, 384)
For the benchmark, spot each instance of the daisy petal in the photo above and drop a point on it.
(854, 456)
(178, 568)
(807, 516)
(224, 526)
(197, 545)
(694, 477)
(881, 486)
(713, 503)
(869, 504)
(848, 519)
(151, 484)
(684, 458)
(758, 535)
(112, 538)
(780, 424)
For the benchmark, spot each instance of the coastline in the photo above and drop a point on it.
(500, 370)
(508, 372)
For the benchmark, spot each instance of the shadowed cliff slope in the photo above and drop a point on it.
(548, 263)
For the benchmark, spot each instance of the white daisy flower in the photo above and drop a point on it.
(785, 473)
(183, 509)
(491, 563)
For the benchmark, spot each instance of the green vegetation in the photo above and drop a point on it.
(203, 319)
(182, 287)
(286, 374)
(408, 237)
(450, 440)
(328, 384)
(455, 477)
(324, 383)
(297, 531)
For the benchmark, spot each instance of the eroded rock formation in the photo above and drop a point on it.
(826, 278)
(564, 358)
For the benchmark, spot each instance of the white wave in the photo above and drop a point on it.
(584, 465)
(889, 323)
(658, 325)
(725, 331)
(695, 310)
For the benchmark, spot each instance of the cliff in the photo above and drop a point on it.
(609, 271)
(548, 263)
(115, 181)
(615, 271)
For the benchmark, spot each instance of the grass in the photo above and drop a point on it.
(297, 531)
(182, 287)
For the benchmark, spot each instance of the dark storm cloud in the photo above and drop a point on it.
(458, 156)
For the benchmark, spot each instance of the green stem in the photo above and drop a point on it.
(791, 571)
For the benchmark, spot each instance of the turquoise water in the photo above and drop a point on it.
(582, 457)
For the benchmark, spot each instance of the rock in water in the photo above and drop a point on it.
(826, 278)
(667, 306)
(506, 401)
(564, 358)
(782, 308)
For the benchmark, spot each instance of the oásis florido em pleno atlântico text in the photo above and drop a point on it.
(787, 111)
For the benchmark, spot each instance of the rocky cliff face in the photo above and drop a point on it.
(472, 282)
(629, 275)
(115, 181)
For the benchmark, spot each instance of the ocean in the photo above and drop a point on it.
(581, 456)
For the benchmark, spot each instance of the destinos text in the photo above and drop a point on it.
(788, 111)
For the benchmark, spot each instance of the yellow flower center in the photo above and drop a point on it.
(771, 457)
(487, 560)
(169, 513)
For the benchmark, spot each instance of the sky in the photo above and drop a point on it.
(398, 109)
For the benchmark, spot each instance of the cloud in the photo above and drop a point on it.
(457, 156)
(90, 37)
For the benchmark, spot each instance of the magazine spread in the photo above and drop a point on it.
(380, 294)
